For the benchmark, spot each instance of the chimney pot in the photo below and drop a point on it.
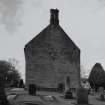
(54, 16)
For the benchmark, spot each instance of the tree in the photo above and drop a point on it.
(9, 73)
(4, 67)
(97, 76)
(13, 78)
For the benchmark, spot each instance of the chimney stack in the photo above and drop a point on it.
(54, 16)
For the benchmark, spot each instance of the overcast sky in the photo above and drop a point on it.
(82, 20)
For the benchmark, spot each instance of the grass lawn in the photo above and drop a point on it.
(49, 98)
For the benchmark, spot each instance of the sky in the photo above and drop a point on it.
(82, 20)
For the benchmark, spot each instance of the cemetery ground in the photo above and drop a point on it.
(19, 96)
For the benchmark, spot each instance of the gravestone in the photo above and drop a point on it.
(21, 83)
(68, 93)
(101, 90)
(67, 84)
(32, 89)
(82, 96)
(92, 91)
(60, 87)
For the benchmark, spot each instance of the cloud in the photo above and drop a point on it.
(96, 5)
(10, 11)
(36, 3)
(90, 5)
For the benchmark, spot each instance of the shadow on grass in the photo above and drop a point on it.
(63, 97)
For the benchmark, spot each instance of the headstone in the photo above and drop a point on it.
(67, 84)
(32, 89)
(92, 91)
(68, 93)
(101, 90)
(21, 83)
(60, 87)
(82, 96)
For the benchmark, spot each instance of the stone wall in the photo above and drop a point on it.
(51, 59)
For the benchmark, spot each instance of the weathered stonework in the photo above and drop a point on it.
(52, 56)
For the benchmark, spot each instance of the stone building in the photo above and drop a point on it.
(52, 56)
